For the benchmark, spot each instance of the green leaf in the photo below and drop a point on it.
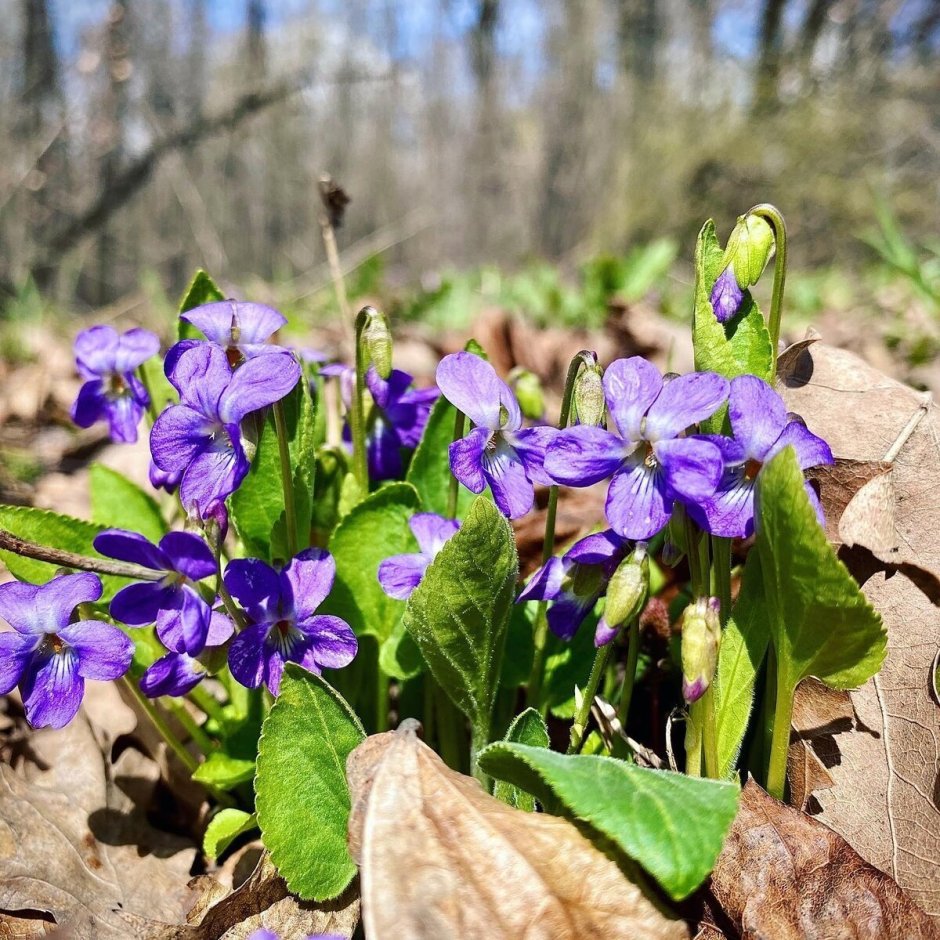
(373, 531)
(459, 612)
(54, 531)
(120, 503)
(202, 290)
(158, 385)
(258, 504)
(743, 647)
(673, 825)
(821, 623)
(224, 828)
(223, 771)
(350, 495)
(527, 728)
(399, 656)
(742, 345)
(568, 664)
(302, 799)
(429, 470)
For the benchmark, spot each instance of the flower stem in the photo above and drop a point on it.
(160, 723)
(336, 274)
(579, 727)
(121, 569)
(206, 702)
(459, 425)
(152, 412)
(721, 575)
(381, 701)
(231, 608)
(540, 638)
(287, 481)
(780, 742)
(771, 214)
(629, 675)
(199, 737)
(447, 727)
(709, 732)
(357, 420)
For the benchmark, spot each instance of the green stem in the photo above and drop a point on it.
(200, 738)
(780, 742)
(160, 723)
(709, 732)
(231, 608)
(152, 412)
(447, 729)
(381, 701)
(356, 416)
(540, 638)
(579, 727)
(208, 703)
(459, 425)
(629, 676)
(693, 743)
(721, 575)
(771, 214)
(287, 479)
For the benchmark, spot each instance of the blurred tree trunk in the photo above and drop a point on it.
(770, 50)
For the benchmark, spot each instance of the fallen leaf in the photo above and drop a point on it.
(438, 857)
(784, 875)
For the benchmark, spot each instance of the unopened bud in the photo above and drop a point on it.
(528, 390)
(628, 588)
(589, 402)
(701, 635)
(376, 339)
(748, 249)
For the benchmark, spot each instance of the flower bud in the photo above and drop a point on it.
(701, 634)
(528, 390)
(376, 339)
(589, 402)
(748, 249)
(628, 588)
(726, 295)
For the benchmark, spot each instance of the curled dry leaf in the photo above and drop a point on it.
(886, 768)
(438, 857)
(784, 875)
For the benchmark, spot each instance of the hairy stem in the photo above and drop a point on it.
(629, 676)
(771, 214)
(357, 419)
(579, 728)
(780, 741)
(162, 726)
(287, 480)
(459, 425)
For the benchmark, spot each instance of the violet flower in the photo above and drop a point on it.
(201, 436)
(726, 295)
(575, 582)
(762, 428)
(174, 602)
(650, 464)
(498, 451)
(49, 657)
(283, 623)
(401, 574)
(179, 672)
(112, 393)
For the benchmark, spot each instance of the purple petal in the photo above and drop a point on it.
(732, 452)
(258, 383)
(90, 405)
(545, 584)
(604, 633)
(104, 652)
(333, 643)
(686, 400)
(162, 480)
(530, 445)
(183, 626)
(123, 414)
(96, 350)
(472, 386)
(139, 603)
(216, 473)
(255, 585)
(691, 467)
(815, 503)
(52, 690)
(730, 512)
(188, 554)
(173, 674)
(597, 549)
(201, 374)
(178, 436)
(253, 323)
(432, 531)
(383, 449)
(811, 451)
(221, 629)
(134, 348)
(173, 354)
(56, 599)
(401, 574)
(18, 607)
(505, 472)
(132, 547)
(466, 459)
(757, 415)
(309, 578)
(726, 295)
(386, 391)
(16, 651)
(247, 655)
(637, 507)
(630, 387)
(584, 455)
(568, 613)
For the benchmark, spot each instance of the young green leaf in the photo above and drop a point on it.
(458, 614)
(527, 728)
(370, 533)
(120, 503)
(224, 828)
(399, 656)
(673, 825)
(302, 800)
(202, 290)
(223, 771)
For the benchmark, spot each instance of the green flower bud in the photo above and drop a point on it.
(528, 390)
(701, 635)
(589, 403)
(748, 249)
(376, 339)
(629, 588)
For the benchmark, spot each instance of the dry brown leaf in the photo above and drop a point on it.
(886, 772)
(785, 876)
(438, 857)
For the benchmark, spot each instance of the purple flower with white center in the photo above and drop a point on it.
(283, 623)
(201, 436)
(762, 428)
(49, 657)
(575, 582)
(498, 451)
(650, 464)
(179, 672)
(241, 330)
(401, 574)
(106, 361)
(173, 602)
(726, 295)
